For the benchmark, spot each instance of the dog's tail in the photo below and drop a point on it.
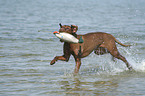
(121, 43)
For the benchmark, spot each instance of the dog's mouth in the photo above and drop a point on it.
(62, 41)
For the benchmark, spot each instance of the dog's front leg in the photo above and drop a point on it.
(58, 58)
(78, 64)
(65, 57)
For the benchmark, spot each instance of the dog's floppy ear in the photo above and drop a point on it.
(60, 25)
(74, 28)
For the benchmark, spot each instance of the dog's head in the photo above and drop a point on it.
(68, 29)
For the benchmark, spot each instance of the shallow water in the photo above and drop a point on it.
(25, 53)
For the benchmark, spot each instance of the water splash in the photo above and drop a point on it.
(142, 66)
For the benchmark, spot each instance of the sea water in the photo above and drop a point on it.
(25, 53)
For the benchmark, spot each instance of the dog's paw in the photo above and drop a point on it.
(52, 62)
(130, 68)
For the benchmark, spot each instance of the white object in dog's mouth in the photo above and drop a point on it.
(66, 37)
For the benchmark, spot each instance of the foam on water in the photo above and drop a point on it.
(104, 64)
(142, 66)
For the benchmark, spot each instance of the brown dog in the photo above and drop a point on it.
(99, 42)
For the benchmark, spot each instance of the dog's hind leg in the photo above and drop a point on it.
(117, 55)
(114, 52)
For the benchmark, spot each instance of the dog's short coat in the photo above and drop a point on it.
(99, 42)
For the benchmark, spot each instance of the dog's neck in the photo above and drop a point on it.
(74, 34)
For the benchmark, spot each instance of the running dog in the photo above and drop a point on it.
(99, 42)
